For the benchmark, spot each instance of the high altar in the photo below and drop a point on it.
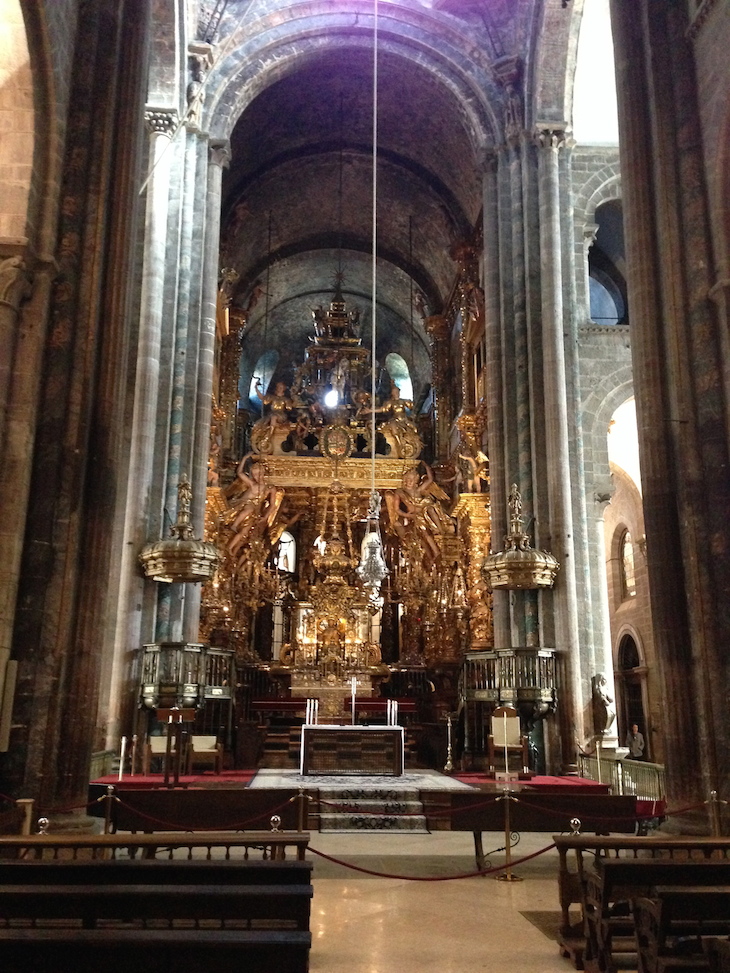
(350, 573)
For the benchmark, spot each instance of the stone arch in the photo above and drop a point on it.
(554, 62)
(632, 686)
(18, 114)
(601, 187)
(257, 62)
(597, 410)
(34, 118)
(627, 630)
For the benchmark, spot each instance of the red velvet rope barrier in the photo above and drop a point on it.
(431, 878)
(235, 826)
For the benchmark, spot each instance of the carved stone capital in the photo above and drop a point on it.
(590, 230)
(219, 152)
(16, 282)
(551, 135)
(161, 121)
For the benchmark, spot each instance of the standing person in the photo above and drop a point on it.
(635, 743)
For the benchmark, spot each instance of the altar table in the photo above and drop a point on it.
(351, 750)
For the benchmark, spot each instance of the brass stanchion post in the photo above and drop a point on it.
(449, 765)
(714, 805)
(506, 875)
(108, 808)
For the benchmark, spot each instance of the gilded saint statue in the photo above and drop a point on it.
(278, 404)
(415, 514)
(400, 428)
(256, 504)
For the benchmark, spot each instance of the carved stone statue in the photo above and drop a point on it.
(604, 710)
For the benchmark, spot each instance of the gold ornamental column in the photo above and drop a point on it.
(473, 520)
(438, 329)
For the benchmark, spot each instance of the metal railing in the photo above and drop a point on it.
(636, 778)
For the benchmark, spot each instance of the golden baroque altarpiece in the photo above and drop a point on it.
(296, 523)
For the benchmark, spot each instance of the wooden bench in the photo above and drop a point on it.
(82, 905)
(672, 922)
(718, 955)
(481, 810)
(198, 809)
(606, 886)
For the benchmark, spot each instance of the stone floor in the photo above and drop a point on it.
(367, 924)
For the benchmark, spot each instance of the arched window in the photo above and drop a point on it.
(628, 575)
(628, 654)
(264, 372)
(606, 267)
(400, 374)
(631, 686)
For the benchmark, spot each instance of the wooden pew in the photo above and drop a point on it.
(605, 886)
(480, 810)
(81, 904)
(198, 809)
(671, 923)
(718, 955)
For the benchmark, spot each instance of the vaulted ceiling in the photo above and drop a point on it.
(296, 91)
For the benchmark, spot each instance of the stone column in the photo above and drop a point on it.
(720, 295)
(219, 156)
(498, 487)
(680, 377)
(603, 648)
(560, 538)
(161, 124)
(15, 288)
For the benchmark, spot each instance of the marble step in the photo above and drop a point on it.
(354, 809)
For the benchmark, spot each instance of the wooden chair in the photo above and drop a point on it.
(155, 749)
(505, 738)
(205, 750)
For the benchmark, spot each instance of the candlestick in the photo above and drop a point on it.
(122, 753)
(506, 757)
(354, 691)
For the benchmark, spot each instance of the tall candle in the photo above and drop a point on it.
(122, 755)
(354, 690)
(506, 758)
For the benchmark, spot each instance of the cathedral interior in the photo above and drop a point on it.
(318, 319)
